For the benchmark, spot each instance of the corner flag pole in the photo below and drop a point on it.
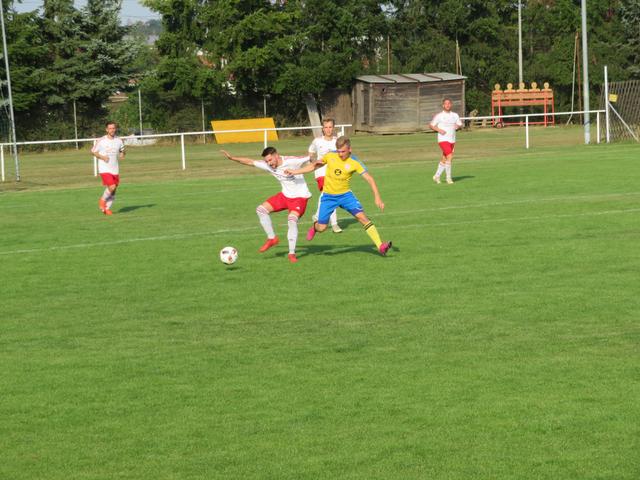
(6, 65)
(585, 75)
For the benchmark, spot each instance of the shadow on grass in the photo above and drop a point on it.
(319, 249)
(131, 208)
(463, 177)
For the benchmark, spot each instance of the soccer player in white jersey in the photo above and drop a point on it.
(318, 149)
(445, 123)
(109, 150)
(293, 197)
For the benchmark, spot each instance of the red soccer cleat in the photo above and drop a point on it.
(268, 244)
(106, 211)
(384, 248)
(292, 258)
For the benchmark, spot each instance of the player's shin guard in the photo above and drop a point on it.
(292, 233)
(372, 231)
(265, 221)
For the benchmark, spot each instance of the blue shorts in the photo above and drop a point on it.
(329, 203)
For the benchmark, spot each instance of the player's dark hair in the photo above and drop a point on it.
(445, 99)
(268, 151)
(109, 122)
(342, 141)
(329, 120)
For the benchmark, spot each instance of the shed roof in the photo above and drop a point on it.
(410, 78)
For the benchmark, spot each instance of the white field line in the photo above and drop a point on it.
(180, 236)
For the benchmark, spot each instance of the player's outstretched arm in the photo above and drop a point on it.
(309, 167)
(242, 160)
(374, 188)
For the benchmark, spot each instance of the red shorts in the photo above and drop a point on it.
(109, 179)
(447, 147)
(320, 181)
(279, 202)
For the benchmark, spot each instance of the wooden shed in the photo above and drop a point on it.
(403, 103)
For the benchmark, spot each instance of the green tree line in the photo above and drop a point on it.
(228, 56)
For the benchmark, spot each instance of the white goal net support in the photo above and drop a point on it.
(624, 110)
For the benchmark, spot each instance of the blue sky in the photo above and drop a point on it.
(132, 10)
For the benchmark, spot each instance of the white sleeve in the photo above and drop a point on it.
(458, 121)
(262, 165)
(313, 148)
(434, 120)
(96, 147)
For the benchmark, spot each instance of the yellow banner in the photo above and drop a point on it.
(613, 98)
(245, 124)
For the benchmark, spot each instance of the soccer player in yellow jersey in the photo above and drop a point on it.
(337, 192)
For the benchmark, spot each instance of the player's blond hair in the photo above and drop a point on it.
(342, 141)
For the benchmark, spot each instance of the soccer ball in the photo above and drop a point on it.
(228, 255)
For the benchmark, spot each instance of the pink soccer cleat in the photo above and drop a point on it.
(384, 248)
(293, 258)
(311, 233)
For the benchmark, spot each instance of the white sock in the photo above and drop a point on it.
(265, 221)
(447, 167)
(292, 234)
(334, 218)
(110, 200)
(106, 194)
(440, 170)
(318, 209)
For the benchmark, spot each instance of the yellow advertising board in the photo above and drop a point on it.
(613, 98)
(244, 124)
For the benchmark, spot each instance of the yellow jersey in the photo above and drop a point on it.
(339, 172)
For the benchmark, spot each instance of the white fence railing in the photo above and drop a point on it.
(160, 135)
(526, 117)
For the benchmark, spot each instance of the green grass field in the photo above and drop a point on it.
(499, 339)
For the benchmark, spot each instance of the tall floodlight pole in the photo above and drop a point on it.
(519, 43)
(585, 75)
(13, 121)
(140, 110)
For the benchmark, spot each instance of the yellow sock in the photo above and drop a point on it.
(372, 231)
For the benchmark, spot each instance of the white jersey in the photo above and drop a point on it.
(447, 121)
(293, 186)
(111, 147)
(321, 146)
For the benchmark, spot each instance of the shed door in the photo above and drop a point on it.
(365, 105)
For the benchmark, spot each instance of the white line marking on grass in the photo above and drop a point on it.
(525, 219)
(180, 236)
(514, 202)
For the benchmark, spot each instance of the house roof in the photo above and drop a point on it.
(410, 78)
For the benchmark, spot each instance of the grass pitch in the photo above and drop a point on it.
(499, 338)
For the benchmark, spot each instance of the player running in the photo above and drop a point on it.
(293, 197)
(337, 193)
(109, 150)
(445, 123)
(318, 149)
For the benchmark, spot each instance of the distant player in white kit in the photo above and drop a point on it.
(445, 123)
(318, 149)
(109, 150)
(293, 197)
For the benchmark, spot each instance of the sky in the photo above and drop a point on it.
(132, 10)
